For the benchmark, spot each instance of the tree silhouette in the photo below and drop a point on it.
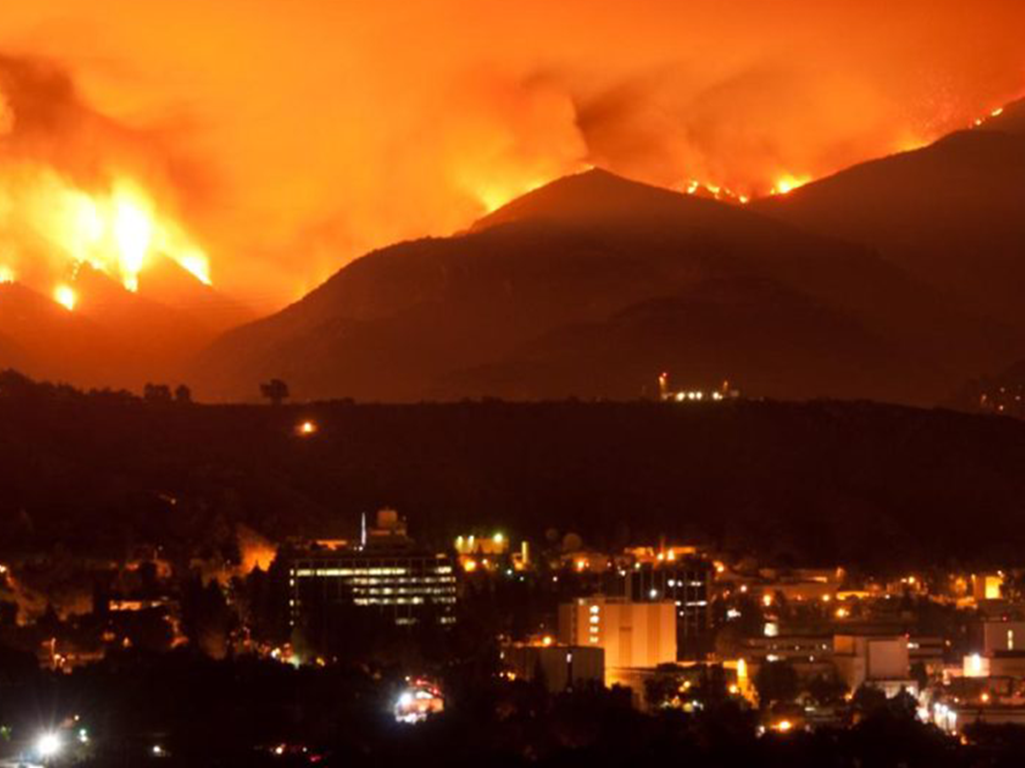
(183, 395)
(156, 393)
(275, 390)
(776, 681)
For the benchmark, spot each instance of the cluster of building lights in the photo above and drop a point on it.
(725, 392)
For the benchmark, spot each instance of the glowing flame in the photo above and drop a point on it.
(787, 184)
(716, 191)
(117, 230)
(6, 275)
(65, 296)
(133, 233)
(980, 121)
(494, 196)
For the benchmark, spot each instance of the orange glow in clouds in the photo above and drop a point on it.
(291, 138)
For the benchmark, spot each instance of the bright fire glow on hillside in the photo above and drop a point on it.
(116, 231)
(65, 296)
(787, 184)
(50, 227)
(496, 194)
(358, 133)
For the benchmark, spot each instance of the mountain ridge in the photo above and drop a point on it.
(400, 322)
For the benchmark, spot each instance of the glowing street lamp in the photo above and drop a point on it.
(48, 745)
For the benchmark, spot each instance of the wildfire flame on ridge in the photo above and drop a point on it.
(116, 229)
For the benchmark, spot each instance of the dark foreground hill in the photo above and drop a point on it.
(593, 285)
(818, 482)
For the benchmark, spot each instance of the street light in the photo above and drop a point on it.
(48, 744)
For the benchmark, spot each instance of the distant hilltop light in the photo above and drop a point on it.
(724, 392)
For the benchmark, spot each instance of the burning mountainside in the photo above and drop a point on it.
(72, 191)
(50, 228)
(329, 129)
(89, 221)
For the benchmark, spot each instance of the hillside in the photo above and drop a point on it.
(166, 283)
(447, 317)
(46, 339)
(952, 215)
(113, 338)
(1011, 119)
(788, 479)
(726, 328)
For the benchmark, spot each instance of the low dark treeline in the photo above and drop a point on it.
(237, 712)
(818, 482)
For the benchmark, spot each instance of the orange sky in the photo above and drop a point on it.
(293, 136)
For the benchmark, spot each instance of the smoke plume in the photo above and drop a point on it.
(325, 129)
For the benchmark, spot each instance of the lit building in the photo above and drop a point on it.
(724, 392)
(632, 634)
(489, 546)
(987, 586)
(991, 637)
(490, 553)
(686, 582)
(999, 650)
(560, 667)
(879, 661)
(385, 571)
(929, 651)
(795, 649)
(810, 656)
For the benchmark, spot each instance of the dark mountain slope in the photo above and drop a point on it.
(952, 215)
(766, 338)
(51, 341)
(112, 338)
(400, 323)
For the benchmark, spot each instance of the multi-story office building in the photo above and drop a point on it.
(635, 637)
(687, 583)
(384, 571)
